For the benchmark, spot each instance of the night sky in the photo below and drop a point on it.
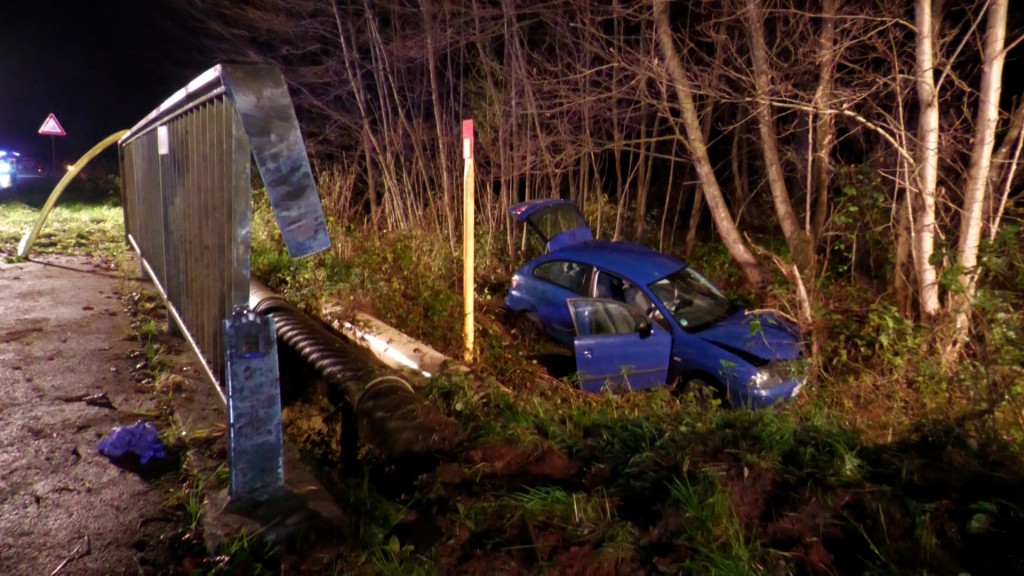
(99, 66)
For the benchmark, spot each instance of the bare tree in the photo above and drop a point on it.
(978, 175)
(796, 239)
(824, 124)
(694, 141)
(926, 177)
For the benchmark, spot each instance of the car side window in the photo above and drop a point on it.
(569, 275)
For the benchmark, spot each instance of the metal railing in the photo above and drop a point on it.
(186, 174)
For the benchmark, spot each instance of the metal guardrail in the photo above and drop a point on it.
(186, 174)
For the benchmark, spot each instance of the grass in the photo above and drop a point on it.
(85, 220)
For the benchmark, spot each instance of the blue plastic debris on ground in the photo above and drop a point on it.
(140, 439)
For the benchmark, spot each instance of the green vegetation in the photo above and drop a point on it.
(87, 219)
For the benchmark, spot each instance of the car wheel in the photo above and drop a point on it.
(704, 389)
(527, 325)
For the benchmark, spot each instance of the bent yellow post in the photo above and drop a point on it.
(30, 237)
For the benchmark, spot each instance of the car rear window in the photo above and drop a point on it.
(569, 275)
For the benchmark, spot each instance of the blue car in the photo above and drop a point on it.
(637, 318)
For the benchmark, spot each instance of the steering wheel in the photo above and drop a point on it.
(682, 304)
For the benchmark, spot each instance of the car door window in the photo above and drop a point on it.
(569, 275)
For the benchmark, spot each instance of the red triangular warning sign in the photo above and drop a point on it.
(51, 127)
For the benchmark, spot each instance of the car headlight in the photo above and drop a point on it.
(5, 167)
(775, 373)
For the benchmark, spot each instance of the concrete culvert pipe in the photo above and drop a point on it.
(389, 413)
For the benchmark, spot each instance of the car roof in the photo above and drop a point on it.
(634, 261)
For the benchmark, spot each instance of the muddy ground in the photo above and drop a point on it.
(68, 376)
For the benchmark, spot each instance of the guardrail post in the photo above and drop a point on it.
(254, 408)
(168, 187)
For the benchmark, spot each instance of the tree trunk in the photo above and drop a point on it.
(705, 129)
(621, 190)
(731, 237)
(694, 222)
(440, 121)
(643, 182)
(824, 129)
(796, 239)
(740, 171)
(978, 174)
(927, 161)
(1001, 163)
(669, 187)
(698, 194)
(356, 84)
(904, 269)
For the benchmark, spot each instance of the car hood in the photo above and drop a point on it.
(774, 339)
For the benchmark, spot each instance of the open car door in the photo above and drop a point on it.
(559, 223)
(616, 346)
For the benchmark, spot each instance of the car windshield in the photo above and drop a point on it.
(691, 298)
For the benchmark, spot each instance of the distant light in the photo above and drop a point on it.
(70, 167)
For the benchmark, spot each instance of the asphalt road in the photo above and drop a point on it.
(64, 337)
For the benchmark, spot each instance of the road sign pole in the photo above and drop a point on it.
(51, 127)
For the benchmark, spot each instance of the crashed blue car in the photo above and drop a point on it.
(637, 318)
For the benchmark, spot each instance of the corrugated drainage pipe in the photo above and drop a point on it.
(338, 362)
(389, 413)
